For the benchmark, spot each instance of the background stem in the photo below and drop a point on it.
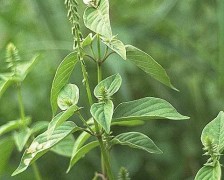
(36, 171)
(20, 102)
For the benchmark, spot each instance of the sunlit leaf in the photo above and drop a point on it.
(82, 152)
(136, 140)
(43, 143)
(146, 109)
(128, 123)
(102, 113)
(61, 78)
(88, 40)
(215, 132)
(148, 64)
(98, 20)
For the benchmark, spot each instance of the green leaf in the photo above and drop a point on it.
(4, 84)
(215, 132)
(23, 68)
(68, 96)
(12, 125)
(145, 109)
(60, 118)
(88, 40)
(6, 148)
(128, 123)
(102, 113)
(82, 152)
(65, 147)
(136, 140)
(98, 20)
(116, 45)
(148, 64)
(61, 78)
(39, 126)
(21, 137)
(108, 86)
(209, 173)
(43, 143)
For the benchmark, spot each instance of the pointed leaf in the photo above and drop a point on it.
(102, 113)
(145, 109)
(82, 152)
(98, 20)
(21, 137)
(209, 173)
(108, 86)
(148, 64)
(61, 78)
(117, 46)
(12, 125)
(43, 143)
(137, 140)
(60, 118)
(65, 147)
(68, 96)
(215, 132)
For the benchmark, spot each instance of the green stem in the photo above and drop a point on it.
(20, 101)
(98, 47)
(99, 72)
(36, 171)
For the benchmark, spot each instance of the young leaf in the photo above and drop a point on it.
(116, 45)
(61, 78)
(43, 143)
(6, 148)
(136, 140)
(68, 96)
(60, 118)
(209, 173)
(148, 64)
(123, 174)
(108, 86)
(145, 109)
(102, 112)
(64, 148)
(82, 152)
(21, 137)
(12, 125)
(215, 132)
(98, 20)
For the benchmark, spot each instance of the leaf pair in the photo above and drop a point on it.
(102, 112)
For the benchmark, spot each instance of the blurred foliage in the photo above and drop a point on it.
(186, 37)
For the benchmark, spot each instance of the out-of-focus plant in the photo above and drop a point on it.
(212, 138)
(20, 131)
(98, 48)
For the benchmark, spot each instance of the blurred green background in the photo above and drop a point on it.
(185, 37)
